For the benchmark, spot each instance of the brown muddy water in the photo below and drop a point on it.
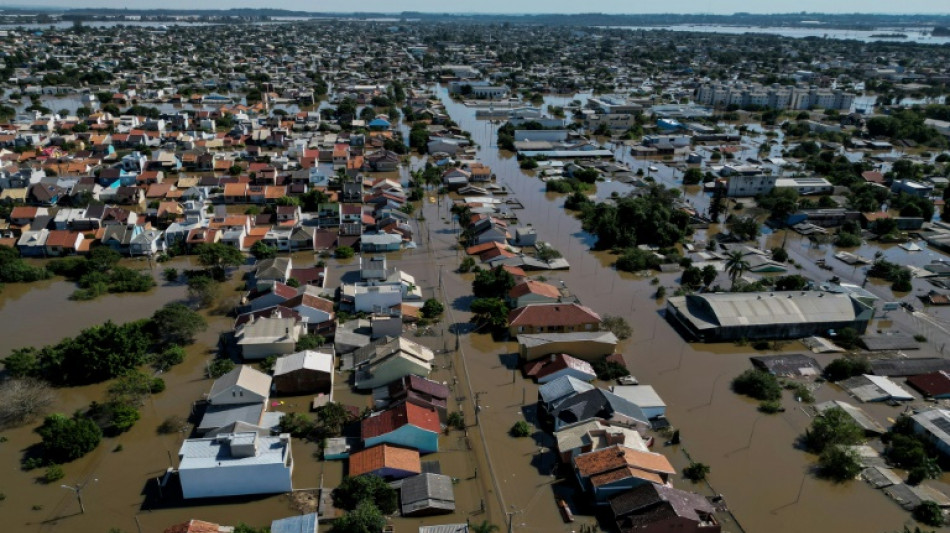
(754, 461)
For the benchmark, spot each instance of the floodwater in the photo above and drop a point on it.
(914, 35)
(754, 461)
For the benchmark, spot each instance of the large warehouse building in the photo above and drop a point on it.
(766, 315)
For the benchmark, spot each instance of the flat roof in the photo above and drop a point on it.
(215, 452)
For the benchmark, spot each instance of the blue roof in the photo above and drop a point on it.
(295, 524)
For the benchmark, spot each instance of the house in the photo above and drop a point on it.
(274, 269)
(407, 425)
(934, 425)
(616, 469)
(653, 508)
(244, 384)
(235, 464)
(532, 292)
(263, 337)
(306, 372)
(426, 494)
(588, 346)
(316, 313)
(388, 359)
(385, 461)
(306, 523)
(268, 295)
(380, 242)
(593, 435)
(551, 394)
(935, 385)
(371, 297)
(383, 161)
(644, 397)
(63, 242)
(414, 389)
(598, 404)
(551, 318)
(147, 242)
(549, 368)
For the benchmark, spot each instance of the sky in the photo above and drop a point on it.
(527, 6)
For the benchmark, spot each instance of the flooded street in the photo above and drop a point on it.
(766, 481)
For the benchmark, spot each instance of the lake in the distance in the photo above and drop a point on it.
(914, 35)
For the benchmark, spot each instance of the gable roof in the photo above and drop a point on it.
(627, 461)
(384, 456)
(534, 287)
(648, 503)
(562, 387)
(596, 403)
(427, 493)
(244, 376)
(554, 314)
(543, 367)
(305, 360)
(399, 416)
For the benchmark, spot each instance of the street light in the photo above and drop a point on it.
(78, 488)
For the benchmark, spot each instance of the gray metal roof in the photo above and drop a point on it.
(562, 387)
(709, 311)
(444, 528)
(427, 493)
(215, 452)
(909, 367)
(539, 339)
(217, 416)
(305, 360)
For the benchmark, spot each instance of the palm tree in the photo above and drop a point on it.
(484, 527)
(736, 265)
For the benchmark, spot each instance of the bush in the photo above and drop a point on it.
(344, 252)
(929, 513)
(617, 325)
(696, 471)
(608, 370)
(170, 274)
(172, 424)
(456, 420)
(770, 407)
(169, 357)
(779, 254)
(520, 429)
(467, 264)
(53, 473)
(757, 384)
(838, 464)
(297, 424)
(219, 367)
(847, 240)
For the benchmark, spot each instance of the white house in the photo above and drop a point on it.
(263, 337)
(235, 464)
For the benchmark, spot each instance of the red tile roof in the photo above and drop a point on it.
(558, 314)
(384, 456)
(399, 416)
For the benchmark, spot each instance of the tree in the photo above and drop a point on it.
(309, 342)
(833, 428)
(203, 290)
(839, 464)
(298, 425)
(494, 283)
(432, 308)
(696, 471)
(22, 400)
(330, 419)
(491, 311)
(709, 274)
(929, 513)
(344, 252)
(736, 266)
(218, 257)
(692, 176)
(757, 384)
(745, 228)
(846, 367)
(66, 439)
(364, 518)
(467, 264)
(779, 254)
(617, 325)
(261, 250)
(132, 387)
(176, 323)
(370, 488)
(692, 278)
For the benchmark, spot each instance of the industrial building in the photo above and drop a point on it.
(766, 315)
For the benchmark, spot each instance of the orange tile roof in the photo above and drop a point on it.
(384, 456)
(399, 416)
(619, 457)
(534, 287)
(558, 314)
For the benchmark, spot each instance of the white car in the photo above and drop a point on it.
(627, 380)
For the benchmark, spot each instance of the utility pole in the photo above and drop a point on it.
(78, 488)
